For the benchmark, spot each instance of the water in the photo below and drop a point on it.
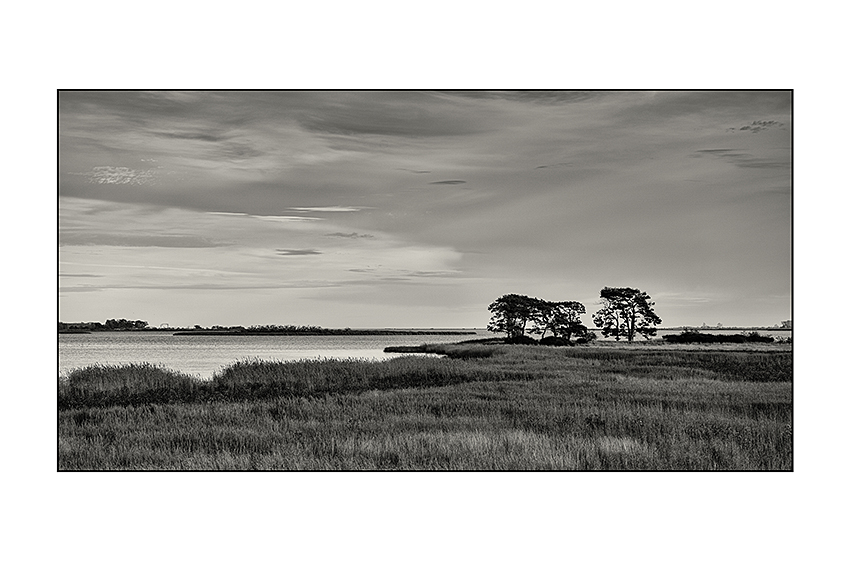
(203, 355)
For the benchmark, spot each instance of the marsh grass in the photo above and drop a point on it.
(519, 408)
(131, 384)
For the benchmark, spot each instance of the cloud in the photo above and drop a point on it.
(79, 289)
(327, 209)
(578, 157)
(350, 235)
(405, 275)
(297, 252)
(547, 97)
(405, 114)
(221, 146)
(562, 164)
(662, 106)
(70, 238)
(743, 159)
(203, 286)
(201, 136)
(80, 275)
(273, 218)
(759, 125)
(284, 218)
(432, 273)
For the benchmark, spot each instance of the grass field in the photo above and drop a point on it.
(480, 407)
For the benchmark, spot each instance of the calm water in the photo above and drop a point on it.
(204, 355)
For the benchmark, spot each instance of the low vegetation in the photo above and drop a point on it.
(479, 407)
(697, 337)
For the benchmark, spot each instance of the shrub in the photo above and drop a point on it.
(588, 337)
(697, 337)
(554, 341)
(521, 340)
(461, 351)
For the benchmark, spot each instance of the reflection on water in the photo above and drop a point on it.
(204, 355)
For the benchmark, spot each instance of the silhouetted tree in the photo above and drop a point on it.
(625, 312)
(511, 314)
(515, 314)
(562, 318)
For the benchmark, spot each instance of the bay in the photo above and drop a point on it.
(203, 355)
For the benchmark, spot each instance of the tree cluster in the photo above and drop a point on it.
(110, 325)
(625, 313)
(515, 315)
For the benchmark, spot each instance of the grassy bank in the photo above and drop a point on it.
(480, 408)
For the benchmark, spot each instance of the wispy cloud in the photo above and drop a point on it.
(743, 159)
(349, 235)
(273, 218)
(74, 238)
(297, 252)
(284, 218)
(333, 209)
(409, 114)
(448, 182)
(201, 136)
(61, 275)
(547, 96)
(78, 289)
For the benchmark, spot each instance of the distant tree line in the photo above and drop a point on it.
(625, 313)
(698, 337)
(109, 325)
(308, 330)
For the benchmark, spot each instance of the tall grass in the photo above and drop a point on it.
(135, 384)
(131, 384)
(520, 408)
(545, 424)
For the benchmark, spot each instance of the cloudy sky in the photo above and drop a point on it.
(417, 209)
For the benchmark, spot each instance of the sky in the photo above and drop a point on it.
(418, 209)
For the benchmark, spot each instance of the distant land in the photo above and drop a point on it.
(305, 330)
(317, 331)
(310, 330)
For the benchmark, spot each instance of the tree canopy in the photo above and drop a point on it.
(515, 315)
(626, 312)
(511, 314)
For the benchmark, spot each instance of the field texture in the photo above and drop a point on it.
(476, 408)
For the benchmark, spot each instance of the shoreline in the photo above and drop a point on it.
(333, 332)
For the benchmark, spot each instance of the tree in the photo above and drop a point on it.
(562, 318)
(625, 312)
(515, 314)
(511, 314)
